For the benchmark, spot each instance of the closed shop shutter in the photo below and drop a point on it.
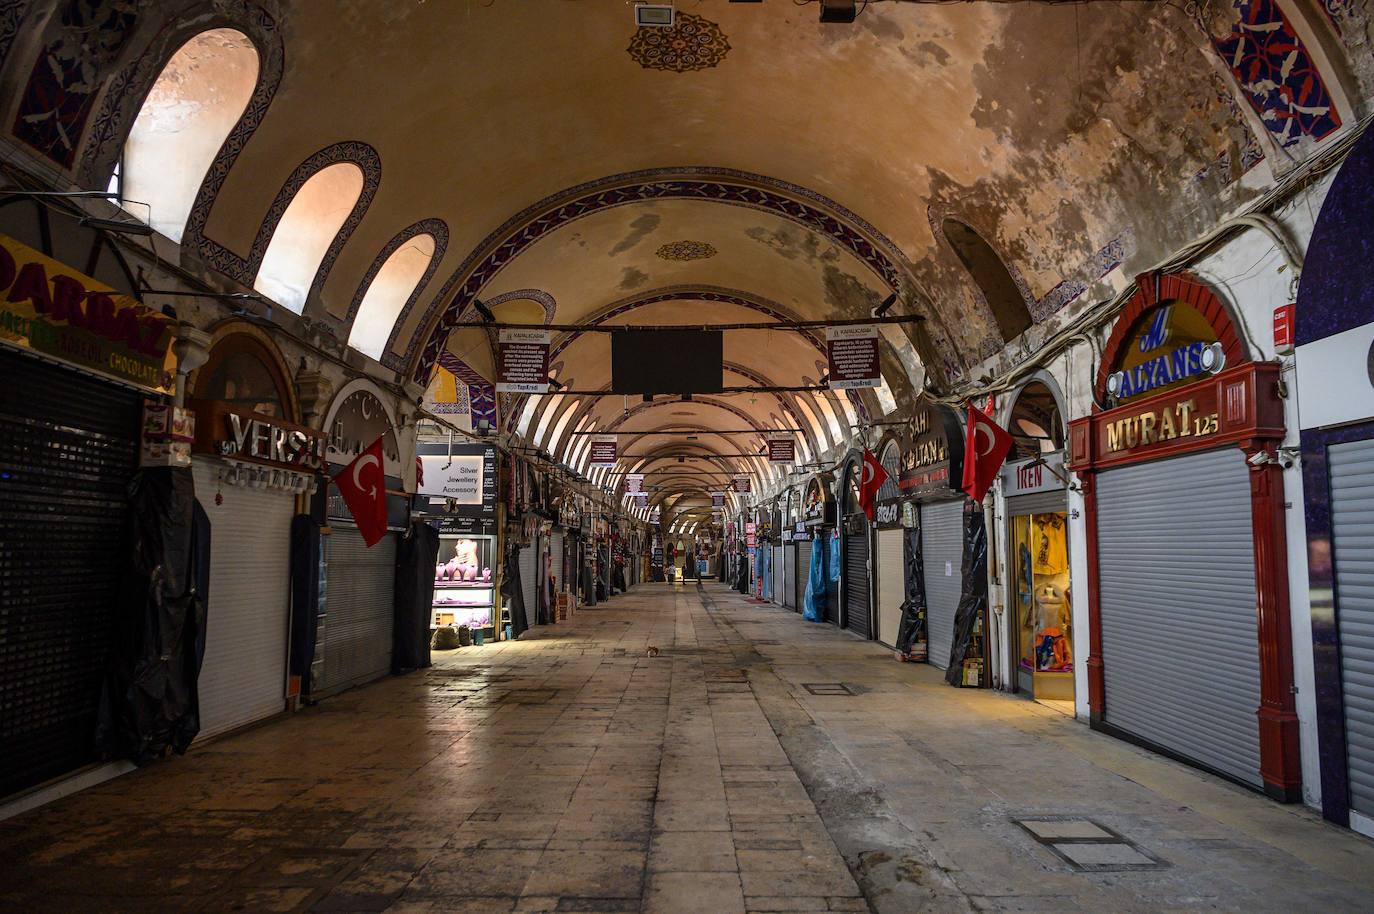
(942, 560)
(855, 584)
(358, 609)
(556, 560)
(779, 573)
(891, 585)
(803, 572)
(1038, 503)
(1352, 526)
(529, 581)
(243, 678)
(68, 448)
(1180, 645)
(789, 575)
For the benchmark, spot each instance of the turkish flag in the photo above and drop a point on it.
(363, 487)
(985, 448)
(873, 479)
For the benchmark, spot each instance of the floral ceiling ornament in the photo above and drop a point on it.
(687, 250)
(693, 43)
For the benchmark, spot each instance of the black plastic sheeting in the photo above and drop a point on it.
(973, 596)
(305, 596)
(416, 555)
(913, 624)
(512, 593)
(149, 702)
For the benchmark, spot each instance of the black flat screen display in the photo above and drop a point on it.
(666, 361)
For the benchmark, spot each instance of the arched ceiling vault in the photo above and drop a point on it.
(793, 170)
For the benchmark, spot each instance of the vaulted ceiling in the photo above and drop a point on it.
(751, 164)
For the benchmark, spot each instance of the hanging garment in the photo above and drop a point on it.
(1051, 554)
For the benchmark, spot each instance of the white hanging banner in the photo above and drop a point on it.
(522, 361)
(853, 354)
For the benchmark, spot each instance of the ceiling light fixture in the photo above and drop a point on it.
(654, 15)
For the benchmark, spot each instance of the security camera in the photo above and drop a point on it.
(1260, 458)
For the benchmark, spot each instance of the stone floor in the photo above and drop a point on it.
(757, 763)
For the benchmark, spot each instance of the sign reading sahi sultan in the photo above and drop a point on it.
(50, 308)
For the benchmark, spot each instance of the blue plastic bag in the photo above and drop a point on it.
(813, 604)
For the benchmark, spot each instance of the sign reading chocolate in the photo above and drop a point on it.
(229, 432)
(50, 308)
(1169, 344)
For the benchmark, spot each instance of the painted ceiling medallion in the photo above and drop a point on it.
(687, 250)
(693, 43)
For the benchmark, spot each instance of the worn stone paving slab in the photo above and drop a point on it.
(572, 772)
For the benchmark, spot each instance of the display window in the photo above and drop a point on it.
(1040, 596)
(464, 581)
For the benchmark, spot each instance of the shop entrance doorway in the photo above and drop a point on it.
(1042, 624)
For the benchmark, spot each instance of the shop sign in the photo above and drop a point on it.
(522, 361)
(887, 514)
(741, 483)
(1162, 424)
(818, 502)
(49, 308)
(750, 534)
(461, 482)
(933, 458)
(354, 422)
(1040, 474)
(853, 357)
(782, 450)
(1170, 344)
(603, 451)
(718, 499)
(226, 431)
(800, 533)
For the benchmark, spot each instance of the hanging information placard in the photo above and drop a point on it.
(741, 483)
(634, 483)
(522, 361)
(782, 450)
(717, 499)
(603, 452)
(853, 354)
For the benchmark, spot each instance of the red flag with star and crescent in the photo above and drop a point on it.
(363, 486)
(873, 479)
(986, 446)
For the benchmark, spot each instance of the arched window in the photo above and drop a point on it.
(1036, 426)
(195, 102)
(387, 294)
(992, 277)
(305, 231)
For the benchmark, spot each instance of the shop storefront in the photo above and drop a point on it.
(889, 559)
(1039, 621)
(778, 565)
(1190, 648)
(353, 642)
(457, 494)
(1335, 336)
(932, 465)
(855, 582)
(252, 463)
(789, 550)
(818, 521)
(69, 445)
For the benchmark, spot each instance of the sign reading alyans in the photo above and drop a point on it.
(603, 452)
(523, 361)
(853, 354)
(782, 450)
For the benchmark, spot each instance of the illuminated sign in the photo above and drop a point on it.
(1170, 344)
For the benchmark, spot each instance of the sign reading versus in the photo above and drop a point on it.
(782, 450)
(50, 308)
(522, 361)
(853, 356)
(603, 451)
(230, 432)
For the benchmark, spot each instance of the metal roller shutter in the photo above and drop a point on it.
(803, 572)
(1180, 645)
(359, 609)
(1038, 503)
(68, 447)
(855, 583)
(891, 585)
(1352, 527)
(789, 576)
(243, 678)
(556, 561)
(778, 573)
(942, 560)
(529, 582)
